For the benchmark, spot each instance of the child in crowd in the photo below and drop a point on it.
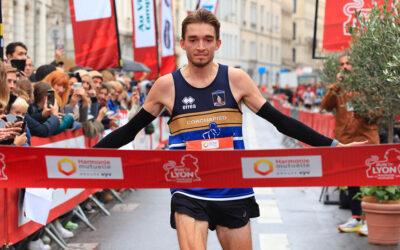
(18, 109)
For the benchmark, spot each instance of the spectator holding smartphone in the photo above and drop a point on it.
(16, 53)
(60, 83)
(43, 119)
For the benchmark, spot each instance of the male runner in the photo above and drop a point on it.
(204, 99)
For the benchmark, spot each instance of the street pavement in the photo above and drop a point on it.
(291, 218)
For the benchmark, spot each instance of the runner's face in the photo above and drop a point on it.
(200, 43)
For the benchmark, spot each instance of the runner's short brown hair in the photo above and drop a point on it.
(201, 16)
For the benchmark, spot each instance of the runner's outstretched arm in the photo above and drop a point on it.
(246, 91)
(126, 133)
(293, 128)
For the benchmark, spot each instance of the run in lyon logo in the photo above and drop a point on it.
(66, 166)
(3, 175)
(186, 172)
(388, 168)
(263, 167)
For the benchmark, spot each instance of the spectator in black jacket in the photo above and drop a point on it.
(42, 120)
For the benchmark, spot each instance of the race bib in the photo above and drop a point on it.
(211, 144)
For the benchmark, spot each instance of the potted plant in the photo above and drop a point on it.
(381, 206)
(374, 55)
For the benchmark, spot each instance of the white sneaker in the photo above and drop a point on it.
(63, 232)
(46, 239)
(352, 225)
(38, 245)
(363, 231)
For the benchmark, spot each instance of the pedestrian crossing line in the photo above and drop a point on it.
(122, 207)
(269, 212)
(274, 241)
(263, 191)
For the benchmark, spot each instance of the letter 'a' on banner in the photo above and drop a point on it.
(210, 5)
(168, 63)
(144, 37)
(339, 15)
(95, 33)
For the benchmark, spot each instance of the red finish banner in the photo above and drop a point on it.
(95, 33)
(107, 168)
(144, 37)
(339, 15)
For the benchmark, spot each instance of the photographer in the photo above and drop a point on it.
(349, 127)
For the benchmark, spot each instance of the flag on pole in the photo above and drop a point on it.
(168, 63)
(211, 5)
(145, 49)
(95, 33)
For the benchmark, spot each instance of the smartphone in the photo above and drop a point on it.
(10, 118)
(23, 127)
(19, 64)
(77, 85)
(50, 98)
(109, 112)
(21, 119)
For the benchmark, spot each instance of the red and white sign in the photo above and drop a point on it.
(168, 63)
(339, 15)
(65, 167)
(95, 33)
(387, 168)
(145, 36)
(186, 172)
(282, 167)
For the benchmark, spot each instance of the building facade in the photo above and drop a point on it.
(298, 33)
(260, 36)
(40, 24)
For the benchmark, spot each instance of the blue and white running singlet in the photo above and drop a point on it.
(202, 116)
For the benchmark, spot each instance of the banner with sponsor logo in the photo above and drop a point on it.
(168, 63)
(95, 33)
(210, 5)
(104, 168)
(145, 48)
(339, 15)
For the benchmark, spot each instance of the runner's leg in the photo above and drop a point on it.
(192, 233)
(235, 238)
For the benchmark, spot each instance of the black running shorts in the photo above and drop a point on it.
(231, 214)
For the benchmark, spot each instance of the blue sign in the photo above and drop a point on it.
(262, 70)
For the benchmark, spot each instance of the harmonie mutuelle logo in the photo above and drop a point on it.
(66, 166)
(263, 167)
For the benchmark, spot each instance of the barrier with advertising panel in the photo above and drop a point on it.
(15, 226)
(3, 223)
(18, 225)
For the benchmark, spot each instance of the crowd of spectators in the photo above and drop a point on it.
(307, 94)
(46, 100)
